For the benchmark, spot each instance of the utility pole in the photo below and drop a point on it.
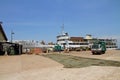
(12, 36)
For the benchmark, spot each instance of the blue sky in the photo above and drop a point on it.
(42, 19)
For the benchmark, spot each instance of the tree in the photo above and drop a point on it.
(50, 43)
(42, 42)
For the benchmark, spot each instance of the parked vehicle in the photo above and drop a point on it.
(57, 48)
(98, 47)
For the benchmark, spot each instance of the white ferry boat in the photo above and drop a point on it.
(65, 41)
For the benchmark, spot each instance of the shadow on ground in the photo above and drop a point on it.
(78, 62)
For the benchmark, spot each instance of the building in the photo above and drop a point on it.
(33, 46)
(32, 43)
(8, 47)
(3, 37)
(110, 43)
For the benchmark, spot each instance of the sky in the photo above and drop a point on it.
(43, 19)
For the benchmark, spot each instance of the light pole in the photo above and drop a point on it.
(12, 36)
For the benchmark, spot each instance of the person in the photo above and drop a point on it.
(6, 51)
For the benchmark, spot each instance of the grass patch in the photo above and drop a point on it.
(70, 61)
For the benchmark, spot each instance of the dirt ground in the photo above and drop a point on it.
(36, 67)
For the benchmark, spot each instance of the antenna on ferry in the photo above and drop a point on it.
(62, 28)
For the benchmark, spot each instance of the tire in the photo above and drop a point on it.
(2, 53)
(93, 53)
(103, 52)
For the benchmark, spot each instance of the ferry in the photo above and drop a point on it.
(67, 42)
